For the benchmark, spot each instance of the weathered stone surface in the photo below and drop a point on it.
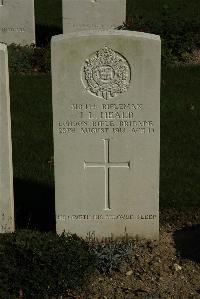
(6, 173)
(106, 97)
(80, 15)
(17, 22)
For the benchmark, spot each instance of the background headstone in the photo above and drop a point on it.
(106, 97)
(80, 15)
(17, 22)
(6, 172)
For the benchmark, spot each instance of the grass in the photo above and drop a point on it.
(48, 19)
(48, 12)
(32, 136)
(180, 143)
(153, 8)
(33, 144)
(32, 127)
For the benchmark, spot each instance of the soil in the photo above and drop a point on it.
(169, 268)
(194, 58)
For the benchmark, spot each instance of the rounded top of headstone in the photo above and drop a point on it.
(126, 33)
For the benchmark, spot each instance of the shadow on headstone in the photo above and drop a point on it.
(187, 241)
(34, 206)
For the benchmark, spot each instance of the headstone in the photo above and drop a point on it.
(106, 97)
(17, 22)
(80, 15)
(6, 173)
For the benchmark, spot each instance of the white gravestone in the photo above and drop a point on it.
(6, 173)
(106, 97)
(80, 15)
(17, 22)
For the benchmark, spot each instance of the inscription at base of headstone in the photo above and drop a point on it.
(17, 22)
(80, 15)
(106, 101)
(6, 173)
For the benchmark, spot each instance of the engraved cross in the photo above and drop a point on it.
(107, 165)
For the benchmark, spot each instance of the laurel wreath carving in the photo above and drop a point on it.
(106, 73)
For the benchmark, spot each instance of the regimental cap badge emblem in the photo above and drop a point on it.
(106, 74)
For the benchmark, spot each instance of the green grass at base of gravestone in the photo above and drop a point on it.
(180, 143)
